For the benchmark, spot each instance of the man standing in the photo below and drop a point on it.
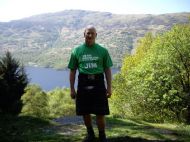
(92, 62)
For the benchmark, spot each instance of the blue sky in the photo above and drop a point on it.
(17, 9)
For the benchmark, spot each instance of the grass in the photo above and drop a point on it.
(30, 129)
(132, 130)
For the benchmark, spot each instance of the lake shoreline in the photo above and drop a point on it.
(50, 78)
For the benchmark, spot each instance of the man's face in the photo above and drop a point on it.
(90, 36)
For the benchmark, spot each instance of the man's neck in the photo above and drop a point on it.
(90, 45)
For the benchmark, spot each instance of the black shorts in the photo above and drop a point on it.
(91, 95)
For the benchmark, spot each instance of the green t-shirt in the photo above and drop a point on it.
(90, 60)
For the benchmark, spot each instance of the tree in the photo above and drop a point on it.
(169, 70)
(13, 81)
(179, 49)
(35, 102)
(60, 103)
(157, 80)
(125, 94)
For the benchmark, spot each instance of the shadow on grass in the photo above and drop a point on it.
(130, 139)
(126, 130)
(19, 128)
(32, 129)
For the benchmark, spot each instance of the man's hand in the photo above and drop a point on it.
(109, 92)
(73, 94)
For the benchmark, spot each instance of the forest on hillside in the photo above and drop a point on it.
(47, 40)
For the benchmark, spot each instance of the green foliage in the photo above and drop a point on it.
(156, 79)
(60, 103)
(13, 81)
(35, 102)
(123, 84)
(55, 103)
(119, 103)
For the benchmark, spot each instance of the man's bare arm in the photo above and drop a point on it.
(108, 80)
(72, 83)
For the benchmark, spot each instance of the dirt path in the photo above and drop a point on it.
(68, 125)
(69, 120)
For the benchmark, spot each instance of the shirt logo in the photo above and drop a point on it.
(89, 61)
(90, 65)
(89, 57)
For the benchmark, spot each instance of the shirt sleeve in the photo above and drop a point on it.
(107, 60)
(73, 63)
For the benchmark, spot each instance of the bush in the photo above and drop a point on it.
(35, 102)
(53, 104)
(13, 81)
(60, 103)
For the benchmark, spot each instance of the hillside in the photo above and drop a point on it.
(47, 40)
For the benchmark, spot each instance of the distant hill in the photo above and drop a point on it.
(47, 39)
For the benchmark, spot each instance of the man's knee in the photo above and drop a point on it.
(100, 117)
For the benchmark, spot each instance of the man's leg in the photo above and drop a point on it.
(100, 120)
(88, 123)
(87, 120)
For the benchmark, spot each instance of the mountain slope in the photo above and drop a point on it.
(47, 39)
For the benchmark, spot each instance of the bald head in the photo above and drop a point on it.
(90, 35)
(90, 27)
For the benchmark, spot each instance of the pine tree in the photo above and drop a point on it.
(13, 81)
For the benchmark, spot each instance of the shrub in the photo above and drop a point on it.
(13, 81)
